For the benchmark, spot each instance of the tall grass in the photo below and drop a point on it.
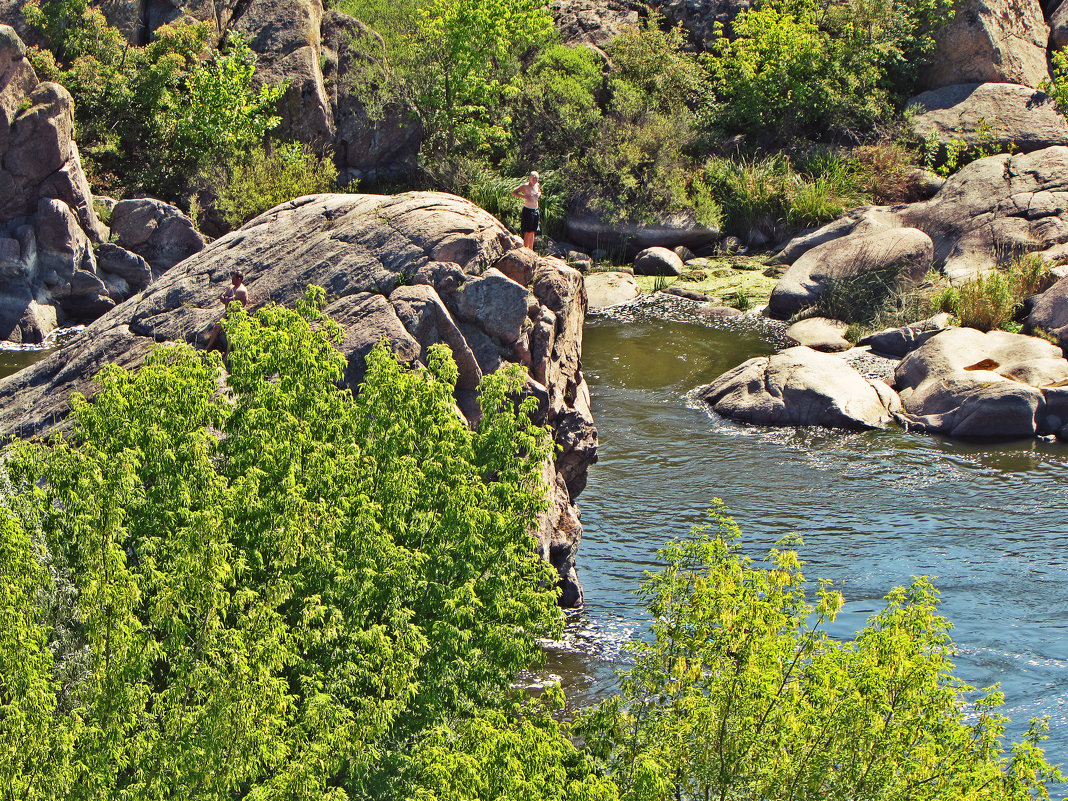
(994, 299)
(774, 194)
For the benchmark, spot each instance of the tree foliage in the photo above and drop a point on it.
(149, 117)
(793, 67)
(276, 589)
(271, 595)
(453, 62)
(742, 694)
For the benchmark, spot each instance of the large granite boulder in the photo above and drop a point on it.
(413, 269)
(989, 209)
(590, 230)
(969, 384)
(156, 231)
(820, 333)
(48, 228)
(1002, 115)
(1049, 314)
(1000, 41)
(610, 289)
(657, 261)
(801, 387)
(907, 250)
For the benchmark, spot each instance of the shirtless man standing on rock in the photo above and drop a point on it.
(530, 219)
(236, 291)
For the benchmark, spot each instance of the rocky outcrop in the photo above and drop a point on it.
(1000, 41)
(49, 271)
(308, 49)
(1058, 26)
(364, 147)
(702, 17)
(610, 289)
(414, 269)
(593, 22)
(156, 231)
(989, 210)
(1001, 116)
(968, 384)
(906, 251)
(801, 387)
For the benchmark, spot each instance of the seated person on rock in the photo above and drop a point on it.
(236, 291)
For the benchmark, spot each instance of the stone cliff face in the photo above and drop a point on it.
(56, 261)
(413, 269)
(48, 269)
(298, 43)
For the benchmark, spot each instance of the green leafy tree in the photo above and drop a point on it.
(453, 62)
(800, 67)
(149, 117)
(274, 592)
(242, 189)
(742, 694)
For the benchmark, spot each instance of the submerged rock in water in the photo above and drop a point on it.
(413, 269)
(801, 387)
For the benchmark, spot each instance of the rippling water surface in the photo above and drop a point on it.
(874, 509)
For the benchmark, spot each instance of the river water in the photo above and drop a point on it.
(985, 521)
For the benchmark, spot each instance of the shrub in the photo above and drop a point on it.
(765, 197)
(859, 298)
(638, 170)
(266, 177)
(741, 693)
(795, 67)
(887, 170)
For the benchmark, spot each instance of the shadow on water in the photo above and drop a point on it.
(873, 508)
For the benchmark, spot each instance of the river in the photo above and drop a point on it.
(984, 521)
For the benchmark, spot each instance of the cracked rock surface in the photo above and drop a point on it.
(414, 269)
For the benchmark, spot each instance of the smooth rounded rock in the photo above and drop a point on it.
(847, 257)
(657, 261)
(801, 387)
(610, 289)
(966, 383)
(820, 333)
